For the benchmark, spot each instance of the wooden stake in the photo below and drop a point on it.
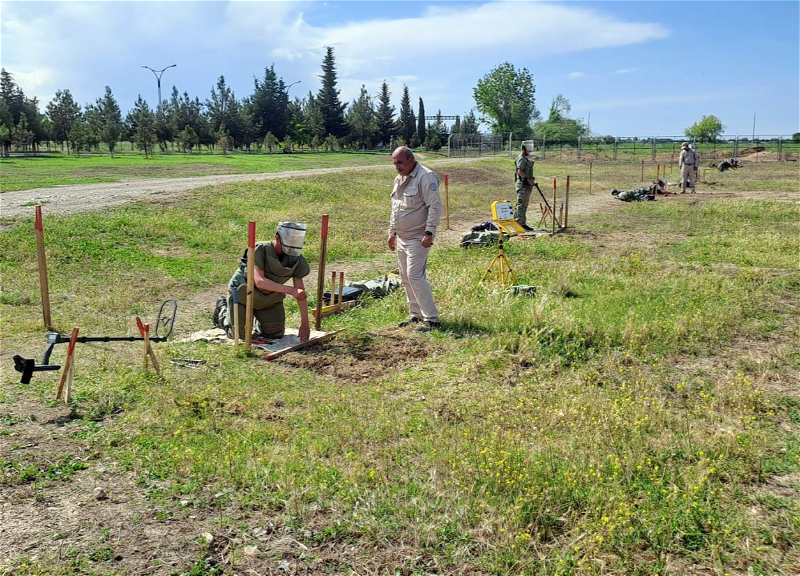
(642, 169)
(67, 368)
(144, 331)
(149, 347)
(42, 268)
(321, 273)
(236, 317)
(341, 290)
(447, 202)
(553, 214)
(566, 205)
(251, 256)
(332, 300)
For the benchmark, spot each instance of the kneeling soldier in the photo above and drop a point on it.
(275, 263)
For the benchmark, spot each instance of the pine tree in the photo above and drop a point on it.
(270, 102)
(456, 129)
(385, 115)
(142, 125)
(361, 120)
(110, 120)
(421, 122)
(407, 122)
(328, 98)
(470, 124)
(63, 111)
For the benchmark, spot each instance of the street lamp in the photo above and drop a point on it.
(158, 74)
(290, 85)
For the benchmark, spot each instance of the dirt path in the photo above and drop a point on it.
(75, 198)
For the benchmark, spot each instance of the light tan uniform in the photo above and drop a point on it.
(688, 162)
(416, 208)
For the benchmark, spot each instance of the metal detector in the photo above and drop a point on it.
(164, 324)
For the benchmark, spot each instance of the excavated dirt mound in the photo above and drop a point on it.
(364, 360)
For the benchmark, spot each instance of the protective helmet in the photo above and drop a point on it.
(292, 235)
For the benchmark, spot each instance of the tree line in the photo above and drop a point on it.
(269, 121)
(266, 119)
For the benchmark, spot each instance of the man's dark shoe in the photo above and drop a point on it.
(429, 325)
(409, 322)
(526, 228)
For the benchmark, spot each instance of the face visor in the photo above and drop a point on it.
(292, 235)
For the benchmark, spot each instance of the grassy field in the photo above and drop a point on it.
(639, 415)
(22, 173)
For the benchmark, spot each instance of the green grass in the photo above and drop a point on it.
(628, 419)
(23, 173)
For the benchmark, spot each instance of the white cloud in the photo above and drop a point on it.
(459, 31)
(576, 75)
(625, 71)
(84, 46)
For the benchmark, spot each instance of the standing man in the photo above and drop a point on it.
(688, 162)
(416, 210)
(524, 180)
(275, 263)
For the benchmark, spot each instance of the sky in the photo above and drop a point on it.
(628, 68)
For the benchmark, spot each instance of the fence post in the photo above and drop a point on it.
(653, 150)
(780, 148)
(578, 151)
(616, 143)
(736, 147)
(543, 149)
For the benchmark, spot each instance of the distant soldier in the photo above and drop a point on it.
(524, 180)
(688, 164)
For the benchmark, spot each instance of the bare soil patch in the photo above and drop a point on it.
(349, 361)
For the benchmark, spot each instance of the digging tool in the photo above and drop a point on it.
(163, 328)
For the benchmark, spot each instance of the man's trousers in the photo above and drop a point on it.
(412, 260)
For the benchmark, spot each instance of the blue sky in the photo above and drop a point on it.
(628, 68)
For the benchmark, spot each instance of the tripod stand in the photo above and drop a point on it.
(501, 266)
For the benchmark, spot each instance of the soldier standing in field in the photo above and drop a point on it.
(524, 180)
(688, 162)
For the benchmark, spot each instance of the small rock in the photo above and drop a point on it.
(208, 537)
(250, 550)
(100, 493)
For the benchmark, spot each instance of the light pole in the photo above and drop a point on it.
(158, 74)
(290, 85)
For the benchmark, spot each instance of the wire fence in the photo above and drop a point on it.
(628, 149)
